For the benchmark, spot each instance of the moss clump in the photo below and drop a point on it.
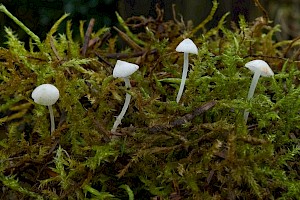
(200, 148)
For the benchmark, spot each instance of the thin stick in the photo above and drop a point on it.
(132, 55)
(87, 36)
(182, 120)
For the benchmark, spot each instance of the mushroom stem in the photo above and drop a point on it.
(184, 75)
(125, 107)
(51, 118)
(246, 114)
(253, 84)
(251, 91)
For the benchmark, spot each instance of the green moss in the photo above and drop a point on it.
(200, 148)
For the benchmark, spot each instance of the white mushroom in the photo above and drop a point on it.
(259, 68)
(123, 70)
(186, 46)
(47, 95)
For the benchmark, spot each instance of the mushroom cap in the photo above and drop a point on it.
(123, 69)
(187, 46)
(45, 94)
(261, 66)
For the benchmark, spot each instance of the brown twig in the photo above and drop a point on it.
(195, 113)
(263, 56)
(54, 49)
(87, 36)
(132, 55)
(127, 39)
(290, 46)
(101, 129)
(265, 13)
(103, 59)
(104, 38)
(142, 21)
(174, 14)
(186, 118)
(160, 13)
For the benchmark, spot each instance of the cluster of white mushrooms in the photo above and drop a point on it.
(47, 94)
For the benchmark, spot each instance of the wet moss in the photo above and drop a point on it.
(200, 148)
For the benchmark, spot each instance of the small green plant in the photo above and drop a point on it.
(200, 149)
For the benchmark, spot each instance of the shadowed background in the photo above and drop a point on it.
(40, 15)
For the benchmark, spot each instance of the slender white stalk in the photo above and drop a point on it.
(51, 118)
(246, 114)
(125, 107)
(253, 84)
(251, 91)
(184, 75)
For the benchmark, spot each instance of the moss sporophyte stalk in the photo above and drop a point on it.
(200, 148)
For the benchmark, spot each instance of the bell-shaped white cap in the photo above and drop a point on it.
(260, 66)
(123, 69)
(187, 46)
(45, 94)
